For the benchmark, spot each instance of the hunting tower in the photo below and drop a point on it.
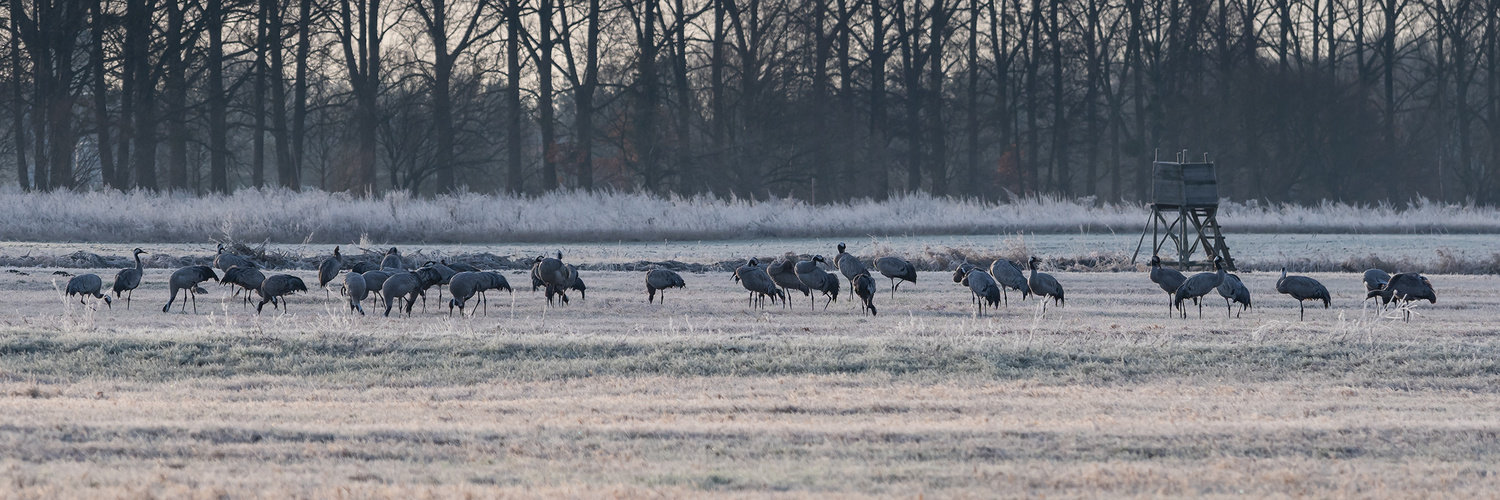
(1185, 212)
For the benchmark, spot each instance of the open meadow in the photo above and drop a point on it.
(610, 396)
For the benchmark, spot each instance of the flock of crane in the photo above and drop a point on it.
(392, 283)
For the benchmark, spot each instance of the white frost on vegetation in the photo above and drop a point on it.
(313, 216)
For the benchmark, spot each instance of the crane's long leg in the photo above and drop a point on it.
(1229, 309)
(1200, 310)
(1303, 310)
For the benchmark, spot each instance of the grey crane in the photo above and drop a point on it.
(1233, 290)
(1167, 278)
(463, 286)
(362, 267)
(1197, 286)
(962, 272)
(247, 278)
(392, 260)
(864, 287)
(459, 266)
(755, 279)
(813, 275)
(984, 289)
(401, 285)
(87, 285)
(849, 265)
(1376, 279)
(442, 268)
(375, 282)
(223, 261)
(1405, 287)
(279, 286)
(784, 272)
(555, 275)
(536, 279)
(492, 280)
(128, 279)
(1302, 288)
(329, 269)
(1045, 286)
(576, 284)
(983, 286)
(188, 279)
(1009, 275)
(444, 272)
(961, 276)
(354, 286)
(427, 278)
(662, 279)
(896, 268)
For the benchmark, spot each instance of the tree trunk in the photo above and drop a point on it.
(299, 90)
(846, 131)
(999, 31)
(720, 110)
(644, 128)
(513, 96)
(1091, 98)
(545, 113)
(1138, 87)
(1062, 179)
(877, 149)
(176, 101)
(17, 123)
(912, 73)
(584, 101)
(286, 172)
(1033, 104)
(686, 171)
(38, 39)
(145, 103)
(939, 153)
(822, 179)
(974, 186)
(258, 104)
(101, 99)
(218, 102)
(442, 97)
(359, 37)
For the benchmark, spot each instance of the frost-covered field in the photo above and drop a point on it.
(703, 395)
(1443, 254)
(319, 217)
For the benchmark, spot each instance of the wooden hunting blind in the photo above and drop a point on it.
(1185, 211)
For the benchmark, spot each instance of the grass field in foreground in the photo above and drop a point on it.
(612, 397)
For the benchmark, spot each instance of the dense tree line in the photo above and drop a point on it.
(823, 100)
